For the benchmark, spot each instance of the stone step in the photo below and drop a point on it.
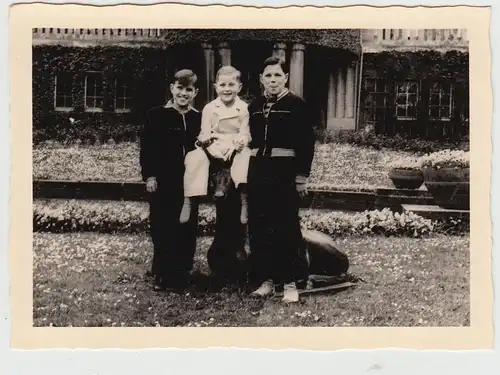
(434, 212)
(135, 191)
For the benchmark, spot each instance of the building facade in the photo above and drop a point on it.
(109, 78)
(415, 82)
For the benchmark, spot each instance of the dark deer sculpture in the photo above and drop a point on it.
(228, 256)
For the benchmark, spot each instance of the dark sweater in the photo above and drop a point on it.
(288, 126)
(165, 139)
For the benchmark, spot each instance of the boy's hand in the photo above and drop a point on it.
(238, 146)
(151, 185)
(301, 185)
(301, 189)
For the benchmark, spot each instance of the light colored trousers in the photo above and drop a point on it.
(197, 169)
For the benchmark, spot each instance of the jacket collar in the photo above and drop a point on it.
(281, 95)
(170, 104)
(237, 103)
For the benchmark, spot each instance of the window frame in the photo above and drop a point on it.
(439, 105)
(95, 97)
(375, 94)
(126, 99)
(63, 108)
(407, 94)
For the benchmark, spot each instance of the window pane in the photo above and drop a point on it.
(120, 103)
(380, 101)
(370, 101)
(381, 85)
(401, 100)
(434, 112)
(60, 101)
(380, 114)
(90, 102)
(370, 85)
(445, 100)
(401, 88)
(413, 88)
(401, 112)
(412, 99)
(90, 91)
(121, 91)
(412, 112)
(434, 99)
(445, 112)
(99, 102)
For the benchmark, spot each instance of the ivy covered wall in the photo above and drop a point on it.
(427, 68)
(145, 67)
(347, 39)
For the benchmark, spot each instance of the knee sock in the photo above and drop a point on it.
(186, 210)
(244, 206)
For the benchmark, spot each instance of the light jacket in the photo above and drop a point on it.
(226, 122)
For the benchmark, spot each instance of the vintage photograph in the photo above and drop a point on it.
(250, 177)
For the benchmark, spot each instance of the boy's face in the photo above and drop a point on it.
(273, 78)
(183, 95)
(227, 87)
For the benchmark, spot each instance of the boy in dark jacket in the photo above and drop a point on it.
(282, 149)
(169, 133)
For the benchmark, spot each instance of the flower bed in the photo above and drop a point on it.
(446, 159)
(133, 217)
(335, 166)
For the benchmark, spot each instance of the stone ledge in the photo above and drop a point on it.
(434, 212)
(317, 199)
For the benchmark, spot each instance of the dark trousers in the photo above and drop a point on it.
(273, 221)
(174, 244)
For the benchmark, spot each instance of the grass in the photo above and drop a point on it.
(89, 279)
(335, 165)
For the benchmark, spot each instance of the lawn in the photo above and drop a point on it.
(90, 279)
(335, 166)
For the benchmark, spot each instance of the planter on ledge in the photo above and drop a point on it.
(404, 178)
(449, 187)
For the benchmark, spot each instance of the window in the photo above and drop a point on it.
(122, 95)
(376, 100)
(406, 100)
(63, 92)
(441, 102)
(94, 96)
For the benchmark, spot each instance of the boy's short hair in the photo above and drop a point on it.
(228, 69)
(185, 77)
(275, 60)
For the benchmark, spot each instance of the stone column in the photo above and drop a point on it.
(332, 99)
(297, 69)
(209, 70)
(279, 50)
(340, 102)
(225, 54)
(350, 91)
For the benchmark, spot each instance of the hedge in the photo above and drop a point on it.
(391, 142)
(133, 217)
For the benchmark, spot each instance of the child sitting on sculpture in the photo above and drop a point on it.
(225, 135)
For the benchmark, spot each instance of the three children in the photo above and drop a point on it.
(175, 167)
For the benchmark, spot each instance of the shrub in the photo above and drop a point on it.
(395, 142)
(133, 217)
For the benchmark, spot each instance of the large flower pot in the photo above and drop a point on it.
(406, 178)
(449, 187)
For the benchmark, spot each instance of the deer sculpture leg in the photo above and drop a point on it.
(226, 256)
